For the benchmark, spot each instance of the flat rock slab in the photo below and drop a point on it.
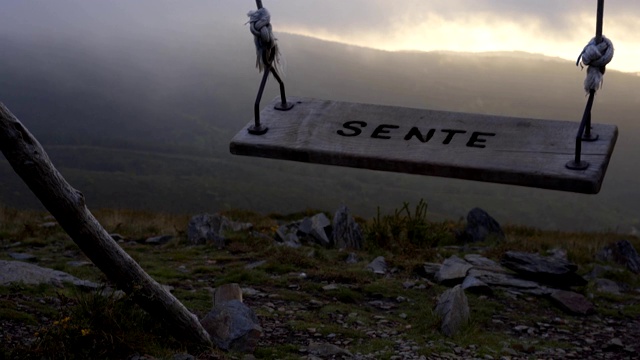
(546, 269)
(507, 150)
(23, 256)
(453, 270)
(30, 274)
(501, 279)
(482, 263)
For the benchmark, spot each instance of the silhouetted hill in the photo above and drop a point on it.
(146, 124)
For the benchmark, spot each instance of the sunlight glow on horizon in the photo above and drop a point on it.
(487, 34)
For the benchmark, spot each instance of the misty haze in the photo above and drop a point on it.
(141, 117)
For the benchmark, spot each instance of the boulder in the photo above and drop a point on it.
(288, 235)
(211, 228)
(429, 270)
(233, 326)
(572, 302)
(452, 271)
(480, 227)
(549, 270)
(346, 231)
(453, 309)
(622, 253)
(316, 229)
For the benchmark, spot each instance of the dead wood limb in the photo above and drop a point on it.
(67, 205)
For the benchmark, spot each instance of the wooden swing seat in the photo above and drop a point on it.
(498, 149)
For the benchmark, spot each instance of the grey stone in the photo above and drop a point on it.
(558, 253)
(225, 293)
(158, 240)
(614, 344)
(346, 231)
(572, 302)
(22, 256)
(480, 227)
(288, 235)
(429, 270)
(316, 229)
(622, 253)
(117, 237)
(453, 271)
(48, 225)
(607, 286)
(30, 274)
(233, 326)
(378, 266)
(251, 292)
(599, 271)
(475, 285)
(324, 350)
(453, 309)
(545, 269)
(211, 228)
(482, 263)
(539, 291)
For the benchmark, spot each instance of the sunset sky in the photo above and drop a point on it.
(549, 27)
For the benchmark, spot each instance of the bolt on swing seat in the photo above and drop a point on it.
(507, 150)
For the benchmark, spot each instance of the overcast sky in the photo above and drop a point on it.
(551, 27)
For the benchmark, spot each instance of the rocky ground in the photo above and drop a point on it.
(319, 303)
(593, 337)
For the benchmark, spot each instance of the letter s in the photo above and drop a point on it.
(351, 126)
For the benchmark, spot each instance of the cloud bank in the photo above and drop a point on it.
(550, 27)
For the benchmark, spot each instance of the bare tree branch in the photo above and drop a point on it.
(67, 205)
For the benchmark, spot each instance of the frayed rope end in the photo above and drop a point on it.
(596, 57)
(264, 40)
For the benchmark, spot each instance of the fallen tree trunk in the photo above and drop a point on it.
(67, 205)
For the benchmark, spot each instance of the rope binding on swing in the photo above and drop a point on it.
(595, 56)
(267, 52)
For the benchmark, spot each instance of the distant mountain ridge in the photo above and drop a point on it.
(149, 101)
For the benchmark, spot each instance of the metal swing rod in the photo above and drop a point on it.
(257, 128)
(584, 130)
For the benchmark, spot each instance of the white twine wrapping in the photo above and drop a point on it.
(596, 57)
(260, 26)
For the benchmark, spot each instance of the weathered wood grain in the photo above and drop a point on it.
(507, 150)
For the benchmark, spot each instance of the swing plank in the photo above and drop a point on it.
(506, 150)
